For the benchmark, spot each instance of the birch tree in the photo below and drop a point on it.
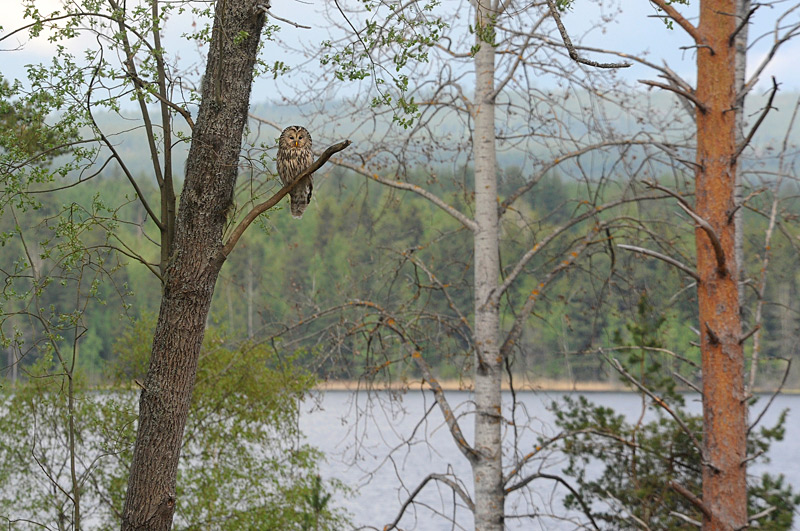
(421, 65)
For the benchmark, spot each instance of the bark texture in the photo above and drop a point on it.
(194, 265)
(724, 406)
(487, 467)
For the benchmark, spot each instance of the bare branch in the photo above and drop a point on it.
(694, 500)
(772, 397)
(675, 15)
(519, 192)
(400, 185)
(689, 95)
(686, 519)
(719, 253)
(659, 401)
(272, 201)
(586, 509)
(571, 49)
(265, 7)
(768, 107)
(527, 308)
(686, 269)
(430, 477)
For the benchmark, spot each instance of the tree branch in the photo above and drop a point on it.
(719, 253)
(768, 107)
(659, 401)
(675, 15)
(677, 90)
(571, 49)
(527, 308)
(430, 477)
(694, 500)
(558, 160)
(686, 269)
(400, 185)
(272, 201)
(586, 509)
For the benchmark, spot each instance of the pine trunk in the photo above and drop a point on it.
(192, 271)
(724, 404)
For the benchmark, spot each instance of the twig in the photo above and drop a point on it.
(686, 381)
(265, 7)
(571, 49)
(694, 500)
(746, 336)
(686, 269)
(772, 398)
(586, 509)
(742, 24)
(768, 107)
(675, 15)
(430, 477)
(685, 518)
(680, 92)
(719, 253)
(659, 401)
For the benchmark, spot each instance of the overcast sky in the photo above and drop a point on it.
(635, 30)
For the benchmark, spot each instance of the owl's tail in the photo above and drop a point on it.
(300, 198)
(297, 208)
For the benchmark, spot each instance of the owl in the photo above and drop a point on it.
(294, 156)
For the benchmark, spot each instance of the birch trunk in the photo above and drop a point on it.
(193, 267)
(487, 468)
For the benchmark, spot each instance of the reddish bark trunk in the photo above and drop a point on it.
(724, 405)
(194, 265)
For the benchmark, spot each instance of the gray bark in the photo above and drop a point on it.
(487, 468)
(194, 265)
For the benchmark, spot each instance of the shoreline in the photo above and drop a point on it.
(543, 384)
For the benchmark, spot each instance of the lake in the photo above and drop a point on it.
(383, 444)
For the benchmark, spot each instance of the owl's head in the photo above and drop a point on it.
(295, 137)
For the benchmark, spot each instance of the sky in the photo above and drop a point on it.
(634, 29)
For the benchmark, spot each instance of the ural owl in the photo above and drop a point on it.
(294, 155)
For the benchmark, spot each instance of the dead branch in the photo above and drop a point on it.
(686, 519)
(265, 7)
(430, 477)
(400, 185)
(772, 397)
(686, 269)
(571, 49)
(586, 509)
(689, 95)
(675, 15)
(694, 500)
(659, 401)
(719, 253)
(768, 107)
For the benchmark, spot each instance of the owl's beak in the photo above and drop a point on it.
(296, 143)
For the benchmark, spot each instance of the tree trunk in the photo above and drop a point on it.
(192, 271)
(724, 407)
(487, 468)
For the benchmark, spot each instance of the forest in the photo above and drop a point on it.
(503, 197)
(350, 247)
